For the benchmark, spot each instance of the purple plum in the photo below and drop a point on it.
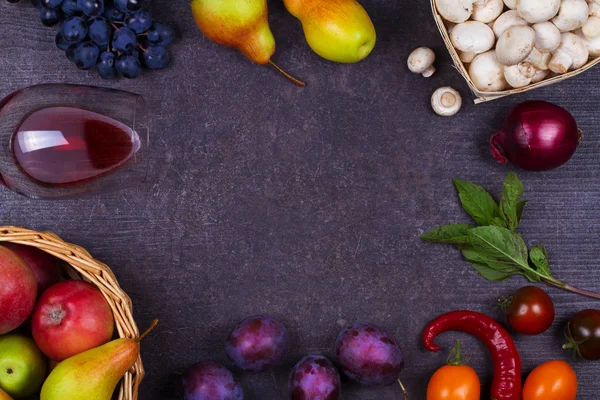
(210, 381)
(369, 355)
(258, 343)
(315, 378)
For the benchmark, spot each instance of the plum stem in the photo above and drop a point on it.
(287, 75)
(403, 389)
(150, 328)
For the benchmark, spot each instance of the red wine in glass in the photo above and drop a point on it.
(72, 141)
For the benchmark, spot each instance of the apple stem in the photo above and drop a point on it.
(287, 75)
(403, 390)
(150, 328)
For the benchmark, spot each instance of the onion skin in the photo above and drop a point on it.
(536, 136)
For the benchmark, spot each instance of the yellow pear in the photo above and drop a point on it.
(4, 396)
(93, 374)
(337, 30)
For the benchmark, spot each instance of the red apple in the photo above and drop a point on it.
(45, 267)
(69, 318)
(18, 290)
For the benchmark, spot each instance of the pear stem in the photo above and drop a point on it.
(150, 328)
(287, 75)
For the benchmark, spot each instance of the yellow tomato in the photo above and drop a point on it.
(553, 380)
(452, 382)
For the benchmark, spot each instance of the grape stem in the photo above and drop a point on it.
(403, 390)
(114, 26)
(287, 75)
(142, 47)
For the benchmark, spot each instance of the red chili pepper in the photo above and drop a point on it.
(507, 362)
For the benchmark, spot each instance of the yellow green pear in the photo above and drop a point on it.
(337, 30)
(4, 396)
(93, 374)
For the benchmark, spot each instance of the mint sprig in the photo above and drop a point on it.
(493, 248)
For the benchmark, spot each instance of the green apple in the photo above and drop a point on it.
(22, 366)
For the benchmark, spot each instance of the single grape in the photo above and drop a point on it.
(37, 4)
(210, 381)
(156, 57)
(86, 55)
(369, 355)
(139, 22)
(161, 34)
(70, 8)
(51, 3)
(91, 8)
(50, 16)
(257, 343)
(61, 43)
(100, 30)
(128, 5)
(106, 65)
(315, 378)
(112, 13)
(74, 29)
(124, 40)
(128, 65)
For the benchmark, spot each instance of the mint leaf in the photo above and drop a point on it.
(477, 202)
(520, 206)
(512, 190)
(539, 257)
(457, 234)
(502, 250)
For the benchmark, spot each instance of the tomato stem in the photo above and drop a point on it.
(455, 361)
(403, 389)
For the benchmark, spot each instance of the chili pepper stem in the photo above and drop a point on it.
(560, 285)
(403, 389)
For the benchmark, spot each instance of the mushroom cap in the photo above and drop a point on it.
(570, 55)
(594, 9)
(538, 60)
(456, 11)
(519, 75)
(591, 28)
(512, 4)
(446, 101)
(540, 75)
(487, 10)
(472, 36)
(507, 20)
(466, 56)
(547, 36)
(572, 15)
(593, 45)
(515, 44)
(420, 60)
(487, 73)
(534, 11)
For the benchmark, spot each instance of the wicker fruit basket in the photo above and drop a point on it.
(487, 96)
(84, 266)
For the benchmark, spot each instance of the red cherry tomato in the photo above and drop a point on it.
(531, 311)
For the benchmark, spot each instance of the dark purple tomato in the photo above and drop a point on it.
(369, 355)
(315, 378)
(583, 334)
(531, 311)
(258, 343)
(210, 381)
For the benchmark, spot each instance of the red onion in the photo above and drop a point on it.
(537, 136)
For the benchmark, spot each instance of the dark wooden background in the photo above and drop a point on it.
(307, 203)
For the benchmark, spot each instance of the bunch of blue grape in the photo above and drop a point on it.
(117, 37)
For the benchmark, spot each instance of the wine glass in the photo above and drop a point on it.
(59, 141)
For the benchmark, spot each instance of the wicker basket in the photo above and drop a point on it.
(85, 267)
(487, 96)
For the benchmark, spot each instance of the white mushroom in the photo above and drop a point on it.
(508, 19)
(515, 44)
(449, 26)
(534, 11)
(456, 11)
(446, 101)
(421, 61)
(487, 10)
(571, 54)
(487, 73)
(572, 15)
(472, 36)
(594, 9)
(466, 56)
(547, 37)
(538, 60)
(512, 4)
(591, 28)
(539, 76)
(519, 75)
(593, 45)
